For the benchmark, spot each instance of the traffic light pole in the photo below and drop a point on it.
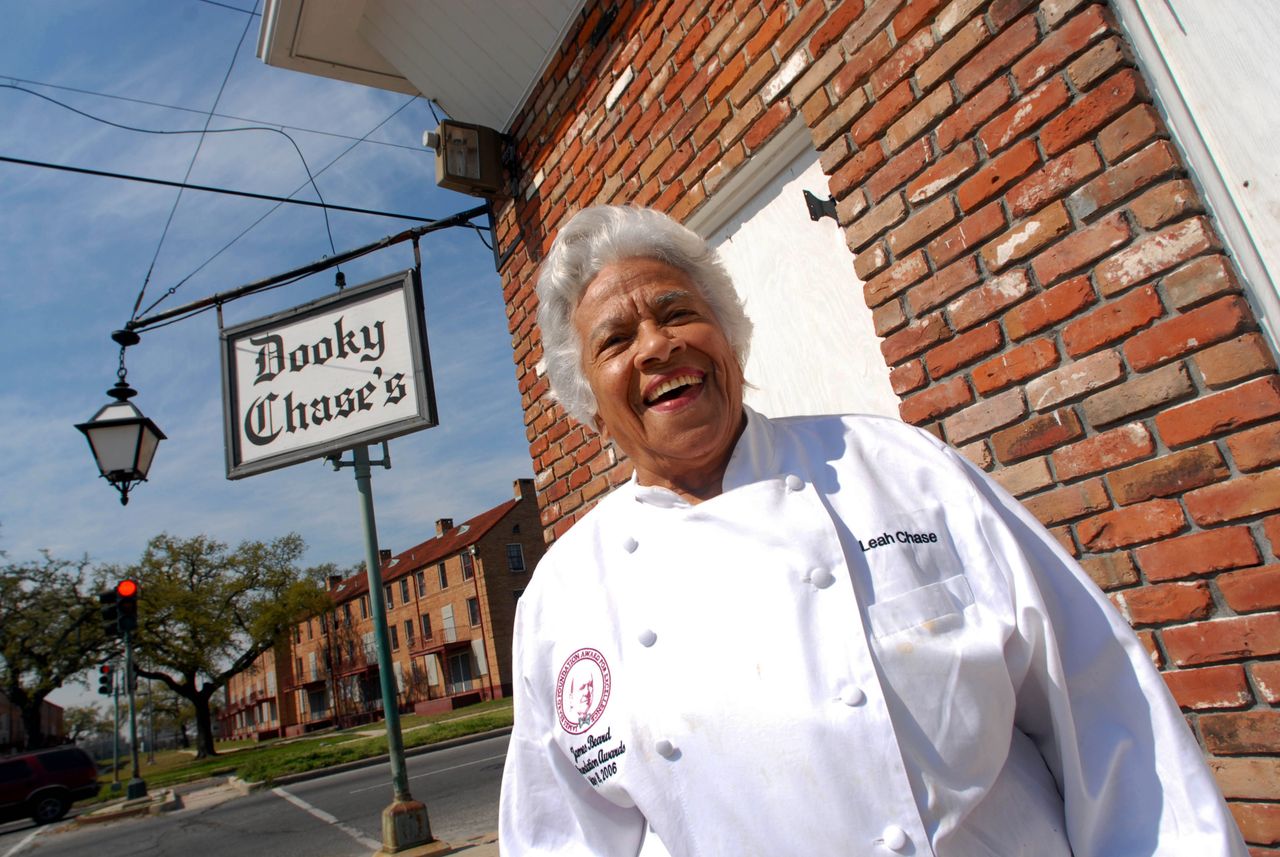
(115, 736)
(137, 786)
(404, 823)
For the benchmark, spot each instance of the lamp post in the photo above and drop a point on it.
(122, 439)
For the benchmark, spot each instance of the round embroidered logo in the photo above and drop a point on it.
(582, 690)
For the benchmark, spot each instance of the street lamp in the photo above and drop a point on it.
(122, 439)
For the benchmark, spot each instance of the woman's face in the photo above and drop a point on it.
(668, 387)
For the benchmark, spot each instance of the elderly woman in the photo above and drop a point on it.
(814, 635)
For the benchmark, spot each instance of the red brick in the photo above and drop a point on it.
(919, 117)
(951, 53)
(956, 13)
(1148, 639)
(1252, 589)
(1169, 475)
(925, 223)
(1037, 434)
(894, 279)
(871, 261)
(1229, 639)
(1138, 394)
(1209, 687)
(1256, 778)
(1257, 494)
(907, 377)
(888, 317)
(1100, 60)
(1154, 162)
(834, 26)
(860, 64)
(1075, 380)
(1111, 570)
(898, 169)
(1113, 321)
(806, 16)
(1090, 113)
(997, 175)
(967, 234)
(849, 209)
(943, 174)
(1131, 525)
(1133, 130)
(1256, 448)
(972, 112)
(916, 337)
(913, 16)
(1069, 502)
(936, 401)
(1081, 248)
(989, 299)
(1047, 309)
(1235, 360)
(1155, 253)
(963, 350)
(997, 56)
(1028, 113)
(876, 222)
(1004, 11)
(1241, 733)
(767, 125)
(1017, 364)
(939, 288)
(1166, 202)
(1027, 237)
(1221, 412)
(1199, 281)
(1167, 602)
(1266, 676)
(978, 453)
(1105, 451)
(852, 174)
(873, 22)
(1054, 180)
(882, 114)
(1059, 46)
(900, 64)
(1259, 823)
(1271, 526)
(984, 417)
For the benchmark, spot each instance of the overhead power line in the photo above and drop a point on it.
(207, 189)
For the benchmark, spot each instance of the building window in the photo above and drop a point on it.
(346, 612)
(421, 579)
(297, 634)
(515, 557)
(473, 611)
(515, 528)
(444, 576)
(310, 632)
(426, 626)
(324, 622)
(468, 565)
(395, 636)
(408, 632)
(386, 593)
(364, 606)
(351, 650)
(300, 673)
(404, 590)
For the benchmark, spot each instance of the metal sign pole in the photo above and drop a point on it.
(404, 823)
(137, 786)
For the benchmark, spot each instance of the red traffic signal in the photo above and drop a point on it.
(105, 679)
(127, 604)
(127, 588)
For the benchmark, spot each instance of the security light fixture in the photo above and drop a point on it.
(468, 157)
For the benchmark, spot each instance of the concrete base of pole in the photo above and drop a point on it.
(405, 829)
(137, 788)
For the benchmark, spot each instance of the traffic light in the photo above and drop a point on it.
(110, 612)
(105, 676)
(127, 605)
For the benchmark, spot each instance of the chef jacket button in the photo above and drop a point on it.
(629, 544)
(647, 637)
(821, 578)
(853, 696)
(894, 838)
(794, 483)
(665, 748)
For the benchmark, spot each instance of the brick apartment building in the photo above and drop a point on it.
(450, 611)
(1050, 248)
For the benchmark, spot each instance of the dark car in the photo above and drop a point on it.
(44, 784)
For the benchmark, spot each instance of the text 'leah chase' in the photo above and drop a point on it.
(900, 537)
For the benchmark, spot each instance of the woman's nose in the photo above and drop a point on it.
(655, 344)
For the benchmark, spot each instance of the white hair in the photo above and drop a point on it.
(600, 236)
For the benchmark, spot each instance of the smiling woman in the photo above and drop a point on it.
(826, 635)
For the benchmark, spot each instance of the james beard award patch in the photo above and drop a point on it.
(582, 690)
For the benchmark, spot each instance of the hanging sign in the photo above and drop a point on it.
(326, 376)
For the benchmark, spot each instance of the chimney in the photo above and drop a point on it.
(384, 555)
(335, 580)
(523, 488)
(443, 525)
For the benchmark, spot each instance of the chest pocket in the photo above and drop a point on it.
(935, 608)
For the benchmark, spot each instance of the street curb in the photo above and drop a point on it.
(164, 801)
(289, 779)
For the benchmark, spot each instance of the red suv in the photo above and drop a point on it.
(43, 785)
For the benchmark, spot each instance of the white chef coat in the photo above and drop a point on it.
(862, 646)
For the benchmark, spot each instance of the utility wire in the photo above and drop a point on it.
(250, 12)
(178, 107)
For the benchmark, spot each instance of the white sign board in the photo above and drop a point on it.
(326, 376)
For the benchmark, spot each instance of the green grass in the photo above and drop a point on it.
(269, 760)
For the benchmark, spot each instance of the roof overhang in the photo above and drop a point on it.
(477, 61)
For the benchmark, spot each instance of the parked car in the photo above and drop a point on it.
(44, 784)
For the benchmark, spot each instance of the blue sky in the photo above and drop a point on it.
(75, 251)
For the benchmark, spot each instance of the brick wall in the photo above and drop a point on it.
(1053, 296)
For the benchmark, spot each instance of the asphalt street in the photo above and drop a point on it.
(337, 815)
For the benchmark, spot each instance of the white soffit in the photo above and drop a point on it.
(478, 59)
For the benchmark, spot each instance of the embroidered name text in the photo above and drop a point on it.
(900, 537)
